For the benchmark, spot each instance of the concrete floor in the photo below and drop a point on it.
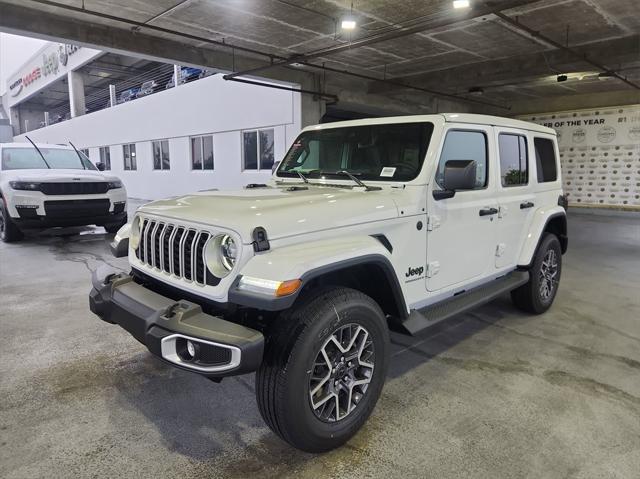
(496, 394)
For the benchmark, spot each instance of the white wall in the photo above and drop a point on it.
(207, 106)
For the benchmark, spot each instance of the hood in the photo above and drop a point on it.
(57, 175)
(279, 210)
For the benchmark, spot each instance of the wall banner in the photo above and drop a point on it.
(599, 154)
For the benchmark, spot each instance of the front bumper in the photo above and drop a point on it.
(164, 326)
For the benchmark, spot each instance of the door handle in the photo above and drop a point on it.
(488, 211)
(525, 205)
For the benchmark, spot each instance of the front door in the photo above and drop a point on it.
(462, 230)
(515, 195)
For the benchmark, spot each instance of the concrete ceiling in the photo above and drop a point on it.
(512, 50)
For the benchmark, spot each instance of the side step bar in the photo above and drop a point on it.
(424, 318)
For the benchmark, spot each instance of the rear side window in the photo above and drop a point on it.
(465, 145)
(545, 160)
(514, 167)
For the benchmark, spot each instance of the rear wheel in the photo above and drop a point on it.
(537, 295)
(9, 232)
(324, 368)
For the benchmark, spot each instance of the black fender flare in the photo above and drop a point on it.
(253, 300)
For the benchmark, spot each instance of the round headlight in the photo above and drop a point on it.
(221, 254)
(136, 227)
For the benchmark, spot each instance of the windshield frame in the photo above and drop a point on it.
(320, 175)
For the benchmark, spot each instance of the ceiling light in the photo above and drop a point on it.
(476, 90)
(461, 4)
(562, 78)
(605, 75)
(348, 24)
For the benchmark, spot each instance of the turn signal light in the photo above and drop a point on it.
(288, 287)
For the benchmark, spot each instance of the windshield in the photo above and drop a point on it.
(28, 158)
(386, 152)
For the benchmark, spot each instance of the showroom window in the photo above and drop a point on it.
(258, 149)
(202, 152)
(545, 160)
(105, 157)
(85, 152)
(465, 145)
(161, 155)
(513, 159)
(129, 153)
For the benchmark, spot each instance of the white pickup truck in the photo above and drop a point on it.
(45, 186)
(366, 226)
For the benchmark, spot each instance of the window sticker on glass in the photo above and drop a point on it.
(388, 171)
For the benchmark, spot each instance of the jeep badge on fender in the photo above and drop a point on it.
(307, 303)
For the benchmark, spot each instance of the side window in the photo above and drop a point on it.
(129, 154)
(514, 164)
(257, 149)
(105, 157)
(465, 145)
(201, 152)
(545, 160)
(161, 159)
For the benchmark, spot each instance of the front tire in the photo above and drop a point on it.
(324, 368)
(114, 227)
(537, 295)
(9, 232)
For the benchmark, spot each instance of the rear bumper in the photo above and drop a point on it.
(164, 326)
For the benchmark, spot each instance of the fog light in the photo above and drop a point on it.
(191, 349)
(187, 350)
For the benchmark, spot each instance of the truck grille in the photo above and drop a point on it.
(78, 188)
(176, 250)
(77, 208)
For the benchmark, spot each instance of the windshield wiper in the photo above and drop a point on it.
(356, 179)
(38, 150)
(302, 177)
(84, 167)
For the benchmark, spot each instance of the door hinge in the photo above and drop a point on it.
(433, 222)
(432, 269)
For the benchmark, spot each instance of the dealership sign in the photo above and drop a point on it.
(48, 65)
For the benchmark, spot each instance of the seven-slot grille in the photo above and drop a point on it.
(176, 250)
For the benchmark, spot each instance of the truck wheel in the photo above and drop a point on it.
(324, 367)
(9, 232)
(114, 227)
(537, 295)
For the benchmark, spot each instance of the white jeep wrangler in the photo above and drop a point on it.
(367, 225)
(45, 186)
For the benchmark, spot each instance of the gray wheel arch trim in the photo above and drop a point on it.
(256, 301)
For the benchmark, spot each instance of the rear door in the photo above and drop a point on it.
(514, 190)
(462, 231)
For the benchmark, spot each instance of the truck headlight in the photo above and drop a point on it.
(114, 185)
(221, 254)
(136, 228)
(25, 185)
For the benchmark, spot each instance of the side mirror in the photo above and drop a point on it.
(100, 166)
(458, 175)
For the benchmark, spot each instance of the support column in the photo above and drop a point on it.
(176, 75)
(113, 99)
(47, 121)
(76, 93)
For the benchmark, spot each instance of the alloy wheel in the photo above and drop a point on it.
(548, 275)
(341, 373)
